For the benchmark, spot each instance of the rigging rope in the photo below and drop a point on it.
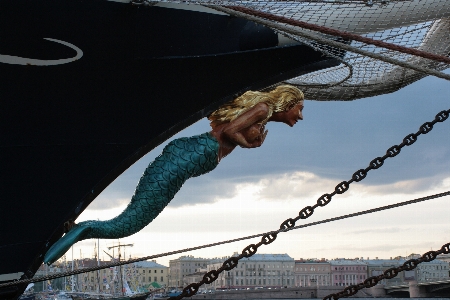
(268, 238)
(329, 42)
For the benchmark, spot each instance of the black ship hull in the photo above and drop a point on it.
(104, 83)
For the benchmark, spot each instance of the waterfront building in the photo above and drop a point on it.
(444, 257)
(259, 270)
(194, 277)
(377, 267)
(183, 266)
(434, 270)
(149, 272)
(312, 272)
(94, 281)
(345, 272)
(139, 276)
(45, 270)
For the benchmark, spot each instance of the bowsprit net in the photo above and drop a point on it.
(402, 30)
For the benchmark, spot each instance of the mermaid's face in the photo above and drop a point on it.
(294, 114)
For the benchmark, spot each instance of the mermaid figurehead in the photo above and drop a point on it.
(240, 122)
(281, 99)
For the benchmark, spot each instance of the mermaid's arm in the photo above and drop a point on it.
(233, 130)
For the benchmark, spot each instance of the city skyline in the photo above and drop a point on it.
(298, 165)
(279, 269)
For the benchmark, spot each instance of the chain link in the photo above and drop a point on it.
(389, 273)
(326, 198)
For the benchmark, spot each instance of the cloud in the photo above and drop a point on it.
(204, 190)
(383, 247)
(272, 187)
(308, 185)
(294, 185)
(380, 230)
(410, 186)
(107, 201)
(334, 140)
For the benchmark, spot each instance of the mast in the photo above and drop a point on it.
(72, 283)
(98, 264)
(43, 282)
(120, 269)
(65, 269)
(97, 255)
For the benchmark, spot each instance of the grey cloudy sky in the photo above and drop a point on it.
(254, 190)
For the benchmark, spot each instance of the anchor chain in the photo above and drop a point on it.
(389, 273)
(306, 212)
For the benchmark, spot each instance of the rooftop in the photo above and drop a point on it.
(190, 257)
(149, 264)
(347, 262)
(268, 257)
(396, 262)
(311, 261)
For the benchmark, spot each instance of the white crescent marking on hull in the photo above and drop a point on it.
(16, 60)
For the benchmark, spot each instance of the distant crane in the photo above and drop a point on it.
(118, 246)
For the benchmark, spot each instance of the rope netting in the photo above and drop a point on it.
(415, 24)
(373, 77)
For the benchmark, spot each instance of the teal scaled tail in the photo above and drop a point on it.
(181, 159)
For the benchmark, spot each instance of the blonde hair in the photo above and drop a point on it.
(282, 98)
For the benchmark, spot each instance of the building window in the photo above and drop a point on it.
(155, 271)
(155, 279)
(161, 271)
